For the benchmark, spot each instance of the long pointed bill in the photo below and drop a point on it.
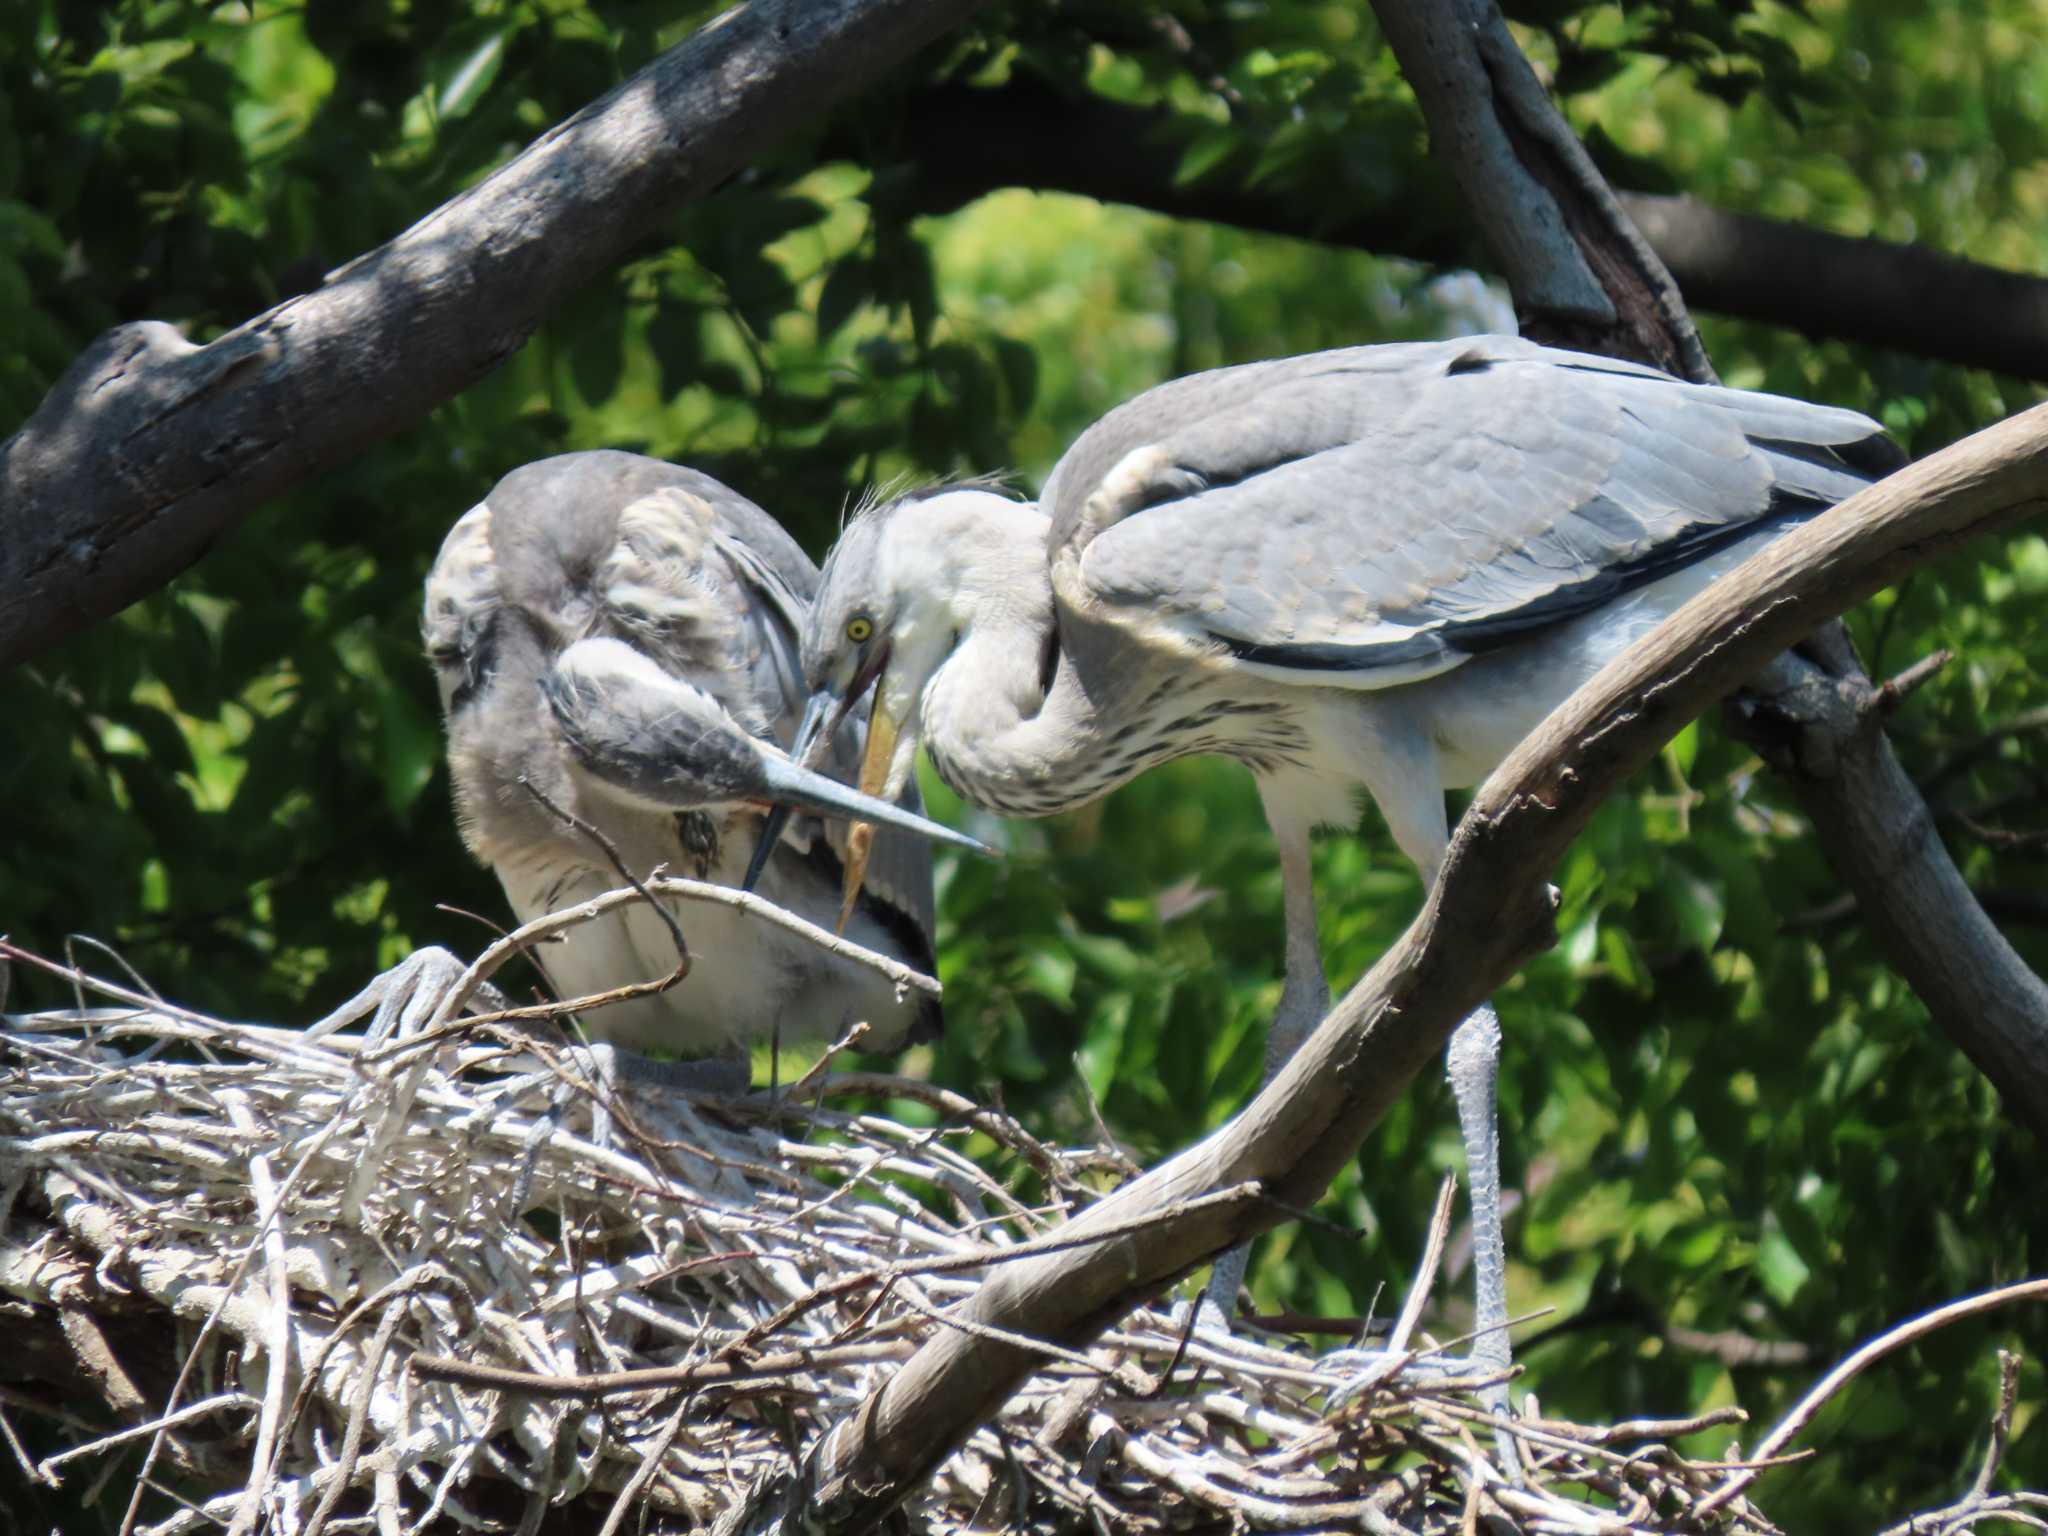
(799, 788)
(874, 773)
(808, 731)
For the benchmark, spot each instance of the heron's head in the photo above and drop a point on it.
(905, 583)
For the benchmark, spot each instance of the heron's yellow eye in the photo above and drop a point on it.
(858, 628)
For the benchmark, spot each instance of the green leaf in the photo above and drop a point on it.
(847, 287)
(463, 83)
(1698, 906)
(410, 747)
(1205, 153)
(1050, 973)
(1778, 1264)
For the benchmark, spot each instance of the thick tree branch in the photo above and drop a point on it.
(1488, 912)
(149, 447)
(1581, 274)
(1906, 297)
(1820, 726)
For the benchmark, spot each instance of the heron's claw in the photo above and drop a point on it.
(1358, 1371)
(401, 1001)
(1208, 1317)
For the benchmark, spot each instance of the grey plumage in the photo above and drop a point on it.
(1510, 488)
(622, 634)
(1371, 569)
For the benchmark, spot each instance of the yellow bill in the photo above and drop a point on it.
(874, 773)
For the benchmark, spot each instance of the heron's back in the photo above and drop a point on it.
(610, 545)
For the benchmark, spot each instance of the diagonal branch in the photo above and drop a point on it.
(1874, 826)
(149, 448)
(1823, 732)
(1489, 911)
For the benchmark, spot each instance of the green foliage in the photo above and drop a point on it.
(1726, 1113)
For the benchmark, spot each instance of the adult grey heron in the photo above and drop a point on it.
(1376, 568)
(621, 634)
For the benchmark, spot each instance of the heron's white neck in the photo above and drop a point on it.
(982, 632)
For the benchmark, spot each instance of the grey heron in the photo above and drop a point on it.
(1371, 569)
(621, 634)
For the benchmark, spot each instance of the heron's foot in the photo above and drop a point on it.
(402, 1000)
(1354, 1372)
(1208, 1317)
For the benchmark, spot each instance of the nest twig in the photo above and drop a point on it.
(285, 1268)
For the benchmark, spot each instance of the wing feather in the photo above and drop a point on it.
(1377, 515)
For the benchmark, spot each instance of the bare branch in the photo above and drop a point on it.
(1821, 730)
(1802, 1413)
(148, 448)
(1909, 297)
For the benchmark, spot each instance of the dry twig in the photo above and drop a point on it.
(318, 1225)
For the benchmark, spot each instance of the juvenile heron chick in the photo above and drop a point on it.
(621, 634)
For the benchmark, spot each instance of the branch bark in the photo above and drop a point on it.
(149, 447)
(1909, 298)
(1489, 911)
(1821, 728)
(1581, 274)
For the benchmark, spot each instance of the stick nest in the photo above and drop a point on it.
(775, 1260)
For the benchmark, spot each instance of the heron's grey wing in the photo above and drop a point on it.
(708, 607)
(558, 521)
(612, 543)
(458, 619)
(638, 731)
(776, 613)
(1377, 515)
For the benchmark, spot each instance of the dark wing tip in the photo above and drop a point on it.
(929, 1027)
(1309, 657)
(1874, 456)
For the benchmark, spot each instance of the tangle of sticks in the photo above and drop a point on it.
(273, 1284)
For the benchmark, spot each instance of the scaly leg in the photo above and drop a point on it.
(1473, 1066)
(1304, 999)
(1414, 811)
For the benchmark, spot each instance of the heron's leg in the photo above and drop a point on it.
(1304, 999)
(1473, 1066)
(1472, 1063)
(1410, 798)
(1305, 994)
